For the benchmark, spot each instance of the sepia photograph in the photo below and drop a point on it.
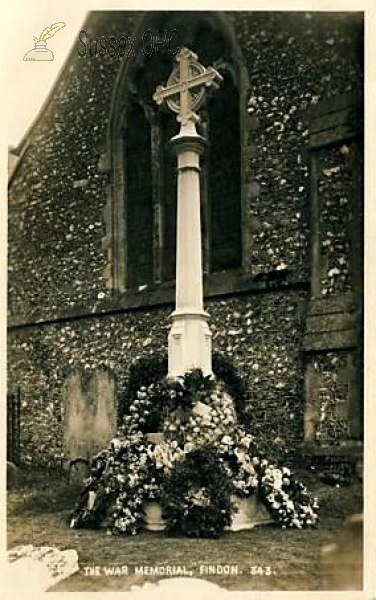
(185, 398)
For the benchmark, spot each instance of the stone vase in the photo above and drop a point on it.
(153, 516)
(251, 512)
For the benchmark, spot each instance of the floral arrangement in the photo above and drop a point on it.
(287, 499)
(126, 475)
(153, 370)
(141, 373)
(197, 496)
(200, 458)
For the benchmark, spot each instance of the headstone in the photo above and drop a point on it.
(90, 414)
(359, 469)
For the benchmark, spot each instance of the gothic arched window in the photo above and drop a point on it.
(147, 188)
(224, 178)
(139, 218)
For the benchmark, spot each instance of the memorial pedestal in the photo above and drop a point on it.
(153, 517)
(250, 513)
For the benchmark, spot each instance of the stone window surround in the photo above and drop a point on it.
(114, 243)
(334, 323)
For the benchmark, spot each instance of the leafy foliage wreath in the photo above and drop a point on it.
(182, 442)
(153, 370)
(197, 496)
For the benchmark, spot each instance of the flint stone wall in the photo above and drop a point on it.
(65, 319)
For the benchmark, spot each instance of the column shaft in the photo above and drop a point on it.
(189, 291)
(189, 342)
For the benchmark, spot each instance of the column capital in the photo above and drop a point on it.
(187, 143)
(193, 312)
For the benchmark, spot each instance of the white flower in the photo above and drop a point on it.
(227, 440)
(297, 523)
(116, 443)
(246, 441)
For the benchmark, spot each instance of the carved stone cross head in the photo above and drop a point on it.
(185, 89)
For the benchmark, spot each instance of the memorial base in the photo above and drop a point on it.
(189, 343)
(250, 513)
(153, 517)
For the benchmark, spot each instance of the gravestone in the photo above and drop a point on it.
(79, 470)
(90, 414)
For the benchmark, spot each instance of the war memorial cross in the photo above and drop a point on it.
(185, 90)
(189, 340)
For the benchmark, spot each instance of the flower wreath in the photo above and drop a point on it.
(151, 373)
(197, 495)
(122, 478)
(198, 456)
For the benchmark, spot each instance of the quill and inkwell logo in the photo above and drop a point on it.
(40, 51)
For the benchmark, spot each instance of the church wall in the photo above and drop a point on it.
(66, 318)
(260, 334)
(293, 61)
(56, 223)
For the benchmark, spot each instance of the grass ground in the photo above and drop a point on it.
(38, 513)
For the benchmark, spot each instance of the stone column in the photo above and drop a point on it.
(189, 342)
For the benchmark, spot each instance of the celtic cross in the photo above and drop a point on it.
(189, 340)
(185, 89)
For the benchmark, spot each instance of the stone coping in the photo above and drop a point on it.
(163, 294)
(350, 449)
